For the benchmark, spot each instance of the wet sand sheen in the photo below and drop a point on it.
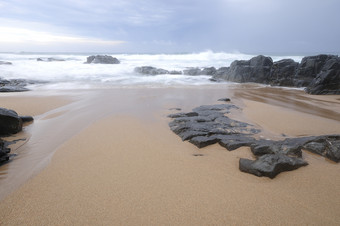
(127, 167)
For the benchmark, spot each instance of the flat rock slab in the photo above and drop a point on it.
(209, 124)
(270, 165)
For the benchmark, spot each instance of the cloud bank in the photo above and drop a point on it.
(281, 26)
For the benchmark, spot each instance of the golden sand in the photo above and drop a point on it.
(123, 166)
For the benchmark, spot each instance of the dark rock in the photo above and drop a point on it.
(5, 63)
(102, 59)
(175, 72)
(310, 67)
(179, 115)
(193, 71)
(328, 80)
(327, 146)
(233, 142)
(148, 70)
(13, 85)
(10, 122)
(26, 118)
(224, 99)
(4, 152)
(257, 69)
(176, 109)
(203, 141)
(270, 165)
(222, 71)
(282, 72)
(208, 71)
(208, 124)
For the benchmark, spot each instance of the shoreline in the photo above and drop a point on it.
(117, 161)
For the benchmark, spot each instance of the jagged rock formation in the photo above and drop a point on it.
(208, 124)
(320, 74)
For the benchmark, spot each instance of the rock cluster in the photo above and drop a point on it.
(102, 59)
(320, 74)
(10, 123)
(209, 124)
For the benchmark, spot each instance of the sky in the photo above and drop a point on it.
(170, 26)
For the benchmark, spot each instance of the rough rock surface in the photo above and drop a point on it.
(270, 165)
(282, 72)
(4, 152)
(102, 59)
(208, 124)
(320, 74)
(327, 81)
(10, 122)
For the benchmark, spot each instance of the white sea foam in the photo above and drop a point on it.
(75, 74)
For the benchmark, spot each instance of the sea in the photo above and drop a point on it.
(72, 73)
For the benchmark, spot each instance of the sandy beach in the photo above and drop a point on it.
(108, 157)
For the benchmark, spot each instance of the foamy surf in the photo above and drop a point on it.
(73, 73)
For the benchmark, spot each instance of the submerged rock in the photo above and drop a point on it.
(148, 70)
(50, 59)
(102, 59)
(16, 85)
(5, 63)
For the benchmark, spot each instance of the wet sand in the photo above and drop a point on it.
(107, 157)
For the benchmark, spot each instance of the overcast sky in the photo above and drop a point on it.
(163, 26)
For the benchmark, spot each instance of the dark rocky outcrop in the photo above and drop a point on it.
(270, 165)
(282, 72)
(327, 81)
(208, 124)
(310, 67)
(11, 122)
(320, 74)
(102, 59)
(5, 63)
(257, 69)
